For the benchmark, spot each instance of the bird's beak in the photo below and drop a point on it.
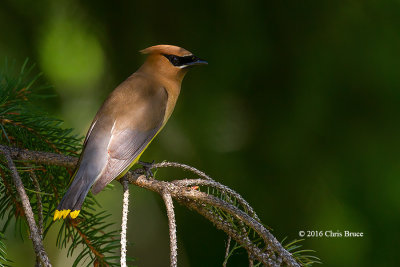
(197, 61)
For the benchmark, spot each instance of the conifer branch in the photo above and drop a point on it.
(40, 157)
(186, 195)
(183, 167)
(39, 208)
(222, 210)
(35, 235)
(225, 226)
(223, 188)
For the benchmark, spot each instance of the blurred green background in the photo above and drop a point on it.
(298, 110)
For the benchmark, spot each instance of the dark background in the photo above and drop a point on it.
(298, 110)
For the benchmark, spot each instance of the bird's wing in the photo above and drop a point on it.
(130, 135)
(125, 148)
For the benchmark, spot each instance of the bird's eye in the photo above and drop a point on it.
(175, 60)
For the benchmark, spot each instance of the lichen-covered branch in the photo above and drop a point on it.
(227, 210)
(124, 225)
(40, 157)
(184, 194)
(172, 229)
(223, 188)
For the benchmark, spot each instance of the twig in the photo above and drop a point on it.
(181, 166)
(251, 262)
(124, 226)
(39, 201)
(35, 236)
(39, 207)
(225, 226)
(172, 229)
(228, 245)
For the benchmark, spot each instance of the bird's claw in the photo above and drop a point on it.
(147, 167)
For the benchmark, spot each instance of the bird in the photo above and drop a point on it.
(127, 122)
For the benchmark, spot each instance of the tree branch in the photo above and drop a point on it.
(273, 254)
(40, 157)
(172, 229)
(39, 201)
(181, 166)
(39, 208)
(184, 193)
(223, 188)
(124, 226)
(35, 235)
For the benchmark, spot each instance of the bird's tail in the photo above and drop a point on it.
(72, 201)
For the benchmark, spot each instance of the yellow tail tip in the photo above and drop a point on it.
(74, 214)
(58, 214)
(65, 213)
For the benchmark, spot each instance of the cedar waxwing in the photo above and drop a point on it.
(129, 119)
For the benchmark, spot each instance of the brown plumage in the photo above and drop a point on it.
(127, 122)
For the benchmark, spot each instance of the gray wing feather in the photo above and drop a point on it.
(94, 155)
(125, 147)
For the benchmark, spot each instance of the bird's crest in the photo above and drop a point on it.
(166, 49)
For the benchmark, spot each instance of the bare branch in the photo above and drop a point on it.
(35, 235)
(124, 226)
(172, 229)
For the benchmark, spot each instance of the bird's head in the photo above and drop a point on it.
(170, 60)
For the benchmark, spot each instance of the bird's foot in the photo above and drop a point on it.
(147, 167)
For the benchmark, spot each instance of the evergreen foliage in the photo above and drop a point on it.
(4, 261)
(25, 126)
